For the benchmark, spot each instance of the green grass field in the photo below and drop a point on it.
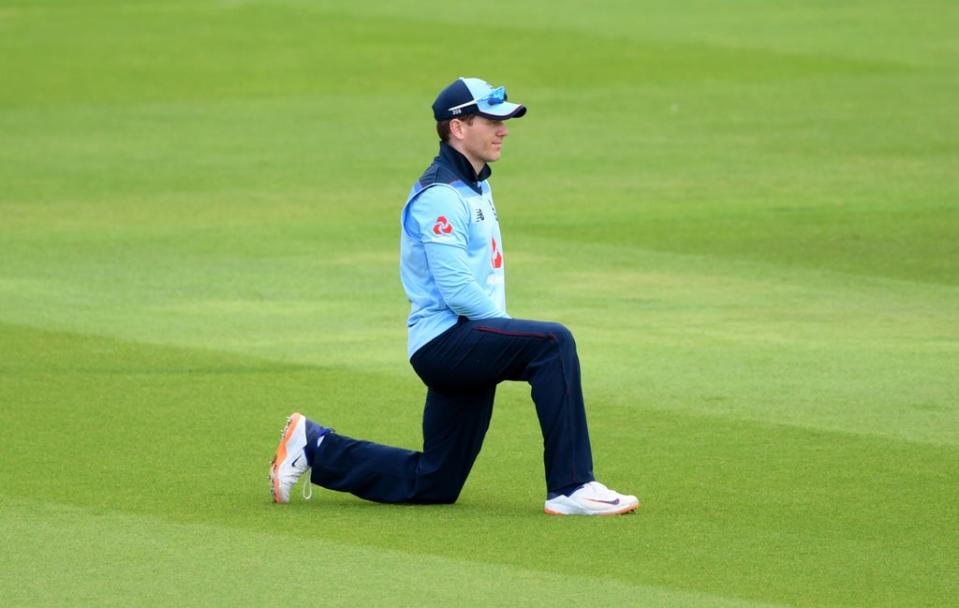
(747, 212)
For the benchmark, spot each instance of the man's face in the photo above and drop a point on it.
(483, 138)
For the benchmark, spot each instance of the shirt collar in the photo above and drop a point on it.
(462, 167)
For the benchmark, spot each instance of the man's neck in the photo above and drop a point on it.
(475, 163)
(463, 168)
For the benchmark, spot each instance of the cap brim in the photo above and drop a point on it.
(501, 111)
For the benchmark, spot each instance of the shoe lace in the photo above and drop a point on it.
(597, 489)
(307, 484)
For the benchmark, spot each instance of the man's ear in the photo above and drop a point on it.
(456, 128)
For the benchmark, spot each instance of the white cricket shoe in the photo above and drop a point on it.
(592, 498)
(289, 463)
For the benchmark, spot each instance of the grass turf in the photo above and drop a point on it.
(748, 217)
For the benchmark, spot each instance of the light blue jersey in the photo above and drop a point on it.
(451, 251)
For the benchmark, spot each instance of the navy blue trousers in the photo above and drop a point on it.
(461, 368)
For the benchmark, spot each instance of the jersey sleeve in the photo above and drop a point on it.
(439, 215)
(440, 219)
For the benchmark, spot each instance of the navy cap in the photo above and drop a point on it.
(475, 96)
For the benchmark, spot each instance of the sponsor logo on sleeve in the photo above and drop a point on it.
(442, 227)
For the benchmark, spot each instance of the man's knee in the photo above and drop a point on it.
(438, 496)
(561, 336)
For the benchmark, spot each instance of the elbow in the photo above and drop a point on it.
(466, 302)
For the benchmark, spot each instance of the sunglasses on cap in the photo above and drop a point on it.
(495, 97)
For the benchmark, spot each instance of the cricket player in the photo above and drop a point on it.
(462, 343)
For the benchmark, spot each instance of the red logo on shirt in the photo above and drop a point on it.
(442, 226)
(497, 256)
